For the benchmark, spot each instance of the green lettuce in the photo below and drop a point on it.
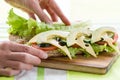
(25, 28)
(97, 48)
(28, 28)
(100, 48)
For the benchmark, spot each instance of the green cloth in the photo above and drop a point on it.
(6, 78)
(113, 74)
(40, 72)
(40, 75)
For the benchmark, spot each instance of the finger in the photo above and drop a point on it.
(37, 52)
(52, 14)
(24, 57)
(8, 72)
(22, 48)
(31, 15)
(58, 11)
(18, 65)
(40, 13)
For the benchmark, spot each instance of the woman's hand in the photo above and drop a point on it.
(37, 6)
(16, 57)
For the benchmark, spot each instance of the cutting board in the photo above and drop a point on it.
(99, 65)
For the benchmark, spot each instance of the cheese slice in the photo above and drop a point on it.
(48, 36)
(96, 35)
(63, 48)
(72, 37)
(85, 46)
(45, 36)
(77, 37)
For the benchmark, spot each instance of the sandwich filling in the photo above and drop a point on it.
(69, 40)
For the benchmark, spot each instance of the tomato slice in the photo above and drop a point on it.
(115, 38)
(101, 42)
(75, 46)
(44, 48)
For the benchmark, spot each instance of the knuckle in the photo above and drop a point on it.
(4, 44)
(26, 49)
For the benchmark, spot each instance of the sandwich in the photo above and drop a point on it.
(60, 40)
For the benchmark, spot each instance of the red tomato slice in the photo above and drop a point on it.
(75, 46)
(44, 48)
(115, 38)
(101, 42)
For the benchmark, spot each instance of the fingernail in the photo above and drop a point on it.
(45, 56)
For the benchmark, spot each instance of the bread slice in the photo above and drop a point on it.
(17, 39)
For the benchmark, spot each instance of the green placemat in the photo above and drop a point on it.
(6, 78)
(113, 74)
(40, 72)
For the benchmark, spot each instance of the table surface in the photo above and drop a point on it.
(39, 73)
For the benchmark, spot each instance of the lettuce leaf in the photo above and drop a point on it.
(74, 51)
(100, 48)
(25, 28)
(16, 22)
(97, 48)
(28, 28)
